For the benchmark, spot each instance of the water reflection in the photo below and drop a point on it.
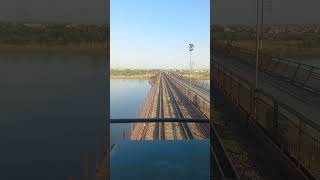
(128, 95)
(51, 107)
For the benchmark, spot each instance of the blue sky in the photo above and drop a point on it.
(156, 33)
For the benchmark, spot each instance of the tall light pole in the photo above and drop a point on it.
(191, 46)
(261, 21)
(265, 5)
(257, 45)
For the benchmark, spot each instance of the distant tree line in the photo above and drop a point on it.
(132, 72)
(17, 34)
(303, 39)
(286, 44)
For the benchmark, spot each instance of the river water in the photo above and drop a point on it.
(126, 100)
(51, 108)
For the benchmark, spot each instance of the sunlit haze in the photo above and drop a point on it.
(155, 34)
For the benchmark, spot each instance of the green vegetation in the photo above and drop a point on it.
(132, 74)
(284, 44)
(196, 75)
(51, 37)
(283, 48)
(142, 74)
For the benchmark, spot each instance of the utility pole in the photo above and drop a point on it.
(266, 6)
(191, 46)
(257, 45)
(190, 72)
(261, 32)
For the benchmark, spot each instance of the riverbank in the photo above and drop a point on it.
(129, 77)
(131, 74)
(94, 49)
(201, 76)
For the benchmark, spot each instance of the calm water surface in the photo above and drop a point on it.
(126, 99)
(51, 108)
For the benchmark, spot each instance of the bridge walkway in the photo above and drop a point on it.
(205, 93)
(299, 99)
(284, 114)
(242, 154)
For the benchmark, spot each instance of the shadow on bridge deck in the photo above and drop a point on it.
(283, 114)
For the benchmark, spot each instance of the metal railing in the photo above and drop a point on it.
(201, 103)
(221, 165)
(297, 136)
(297, 73)
(195, 82)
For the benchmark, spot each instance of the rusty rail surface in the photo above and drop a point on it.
(220, 161)
(179, 114)
(297, 136)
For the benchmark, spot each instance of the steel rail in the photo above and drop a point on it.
(170, 110)
(150, 120)
(160, 113)
(149, 112)
(184, 125)
(221, 162)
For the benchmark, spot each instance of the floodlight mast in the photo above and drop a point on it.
(191, 46)
(257, 47)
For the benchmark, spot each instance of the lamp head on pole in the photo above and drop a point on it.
(191, 46)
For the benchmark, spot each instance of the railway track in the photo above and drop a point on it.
(171, 129)
(201, 131)
(160, 112)
(177, 111)
(222, 168)
(167, 101)
(149, 114)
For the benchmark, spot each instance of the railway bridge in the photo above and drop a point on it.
(277, 117)
(166, 99)
(175, 115)
(269, 132)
